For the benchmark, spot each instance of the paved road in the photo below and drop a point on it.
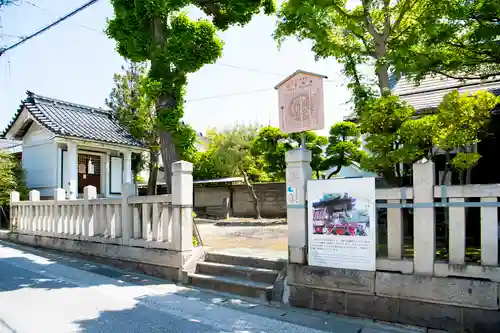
(44, 292)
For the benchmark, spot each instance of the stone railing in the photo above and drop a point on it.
(158, 222)
(424, 198)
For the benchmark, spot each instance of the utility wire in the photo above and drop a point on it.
(39, 32)
(52, 13)
(216, 64)
(243, 93)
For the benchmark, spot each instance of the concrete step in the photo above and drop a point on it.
(220, 258)
(232, 285)
(254, 274)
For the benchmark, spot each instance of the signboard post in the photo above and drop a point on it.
(341, 223)
(300, 98)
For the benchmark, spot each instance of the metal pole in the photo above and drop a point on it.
(303, 140)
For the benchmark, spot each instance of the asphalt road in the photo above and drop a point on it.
(45, 292)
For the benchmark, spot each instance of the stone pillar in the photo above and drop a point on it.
(182, 201)
(128, 190)
(71, 167)
(127, 167)
(89, 193)
(34, 196)
(424, 224)
(298, 172)
(14, 211)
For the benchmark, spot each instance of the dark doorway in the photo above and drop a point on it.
(89, 171)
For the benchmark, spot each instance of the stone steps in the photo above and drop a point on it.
(249, 277)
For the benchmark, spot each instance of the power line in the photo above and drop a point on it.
(216, 64)
(91, 2)
(241, 93)
(51, 12)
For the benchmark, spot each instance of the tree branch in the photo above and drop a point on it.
(369, 23)
(407, 5)
(387, 19)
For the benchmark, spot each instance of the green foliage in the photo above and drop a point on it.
(393, 137)
(460, 119)
(344, 146)
(271, 145)
(463, 44)
(316, 144)
(11, 178)
(134, 110)
(161, 32)
(365, 34)
(232, 153)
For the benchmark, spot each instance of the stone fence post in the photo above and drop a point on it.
(57, 226)
(127, 218)
(424, 224)
(34, 196)
(89, 193)
(298, 172)
(182, 201)
(14, 211)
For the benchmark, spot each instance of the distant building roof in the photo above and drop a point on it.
(73, 120)
(427, 95)
(430, 92)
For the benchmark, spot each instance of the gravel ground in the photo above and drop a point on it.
(257, 237)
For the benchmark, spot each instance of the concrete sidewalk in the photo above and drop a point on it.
(107, 296)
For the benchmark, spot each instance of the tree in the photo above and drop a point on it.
(392, 137)
(134, 110)
(12, 178)
(161, 32)
(461, 119)
(231, 151)
(5, 3)
(272, 145)
(464, 45)
(344, 146)
(370, 33)
(316, 144)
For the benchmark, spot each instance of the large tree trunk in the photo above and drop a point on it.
(169, 155)
(167, 146)
(154, 159)
(255, 198)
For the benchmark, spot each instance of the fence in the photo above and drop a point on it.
(425, 197)
(163, 221)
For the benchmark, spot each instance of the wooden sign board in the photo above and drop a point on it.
(301, 105)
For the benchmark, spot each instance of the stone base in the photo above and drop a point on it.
(450, 304)
(156, 262)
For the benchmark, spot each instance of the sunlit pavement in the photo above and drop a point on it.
(44, 291)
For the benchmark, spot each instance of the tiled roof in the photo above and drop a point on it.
(430, 92)
(73, 120)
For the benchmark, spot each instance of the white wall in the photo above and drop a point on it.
(40, 160)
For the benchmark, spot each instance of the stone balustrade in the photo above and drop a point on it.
(130, 222)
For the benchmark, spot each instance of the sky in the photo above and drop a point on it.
(75, 61)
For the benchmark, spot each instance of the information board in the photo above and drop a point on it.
(342, 223)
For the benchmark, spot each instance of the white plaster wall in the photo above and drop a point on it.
(40, 160)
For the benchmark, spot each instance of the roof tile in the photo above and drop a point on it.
(74, 120)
